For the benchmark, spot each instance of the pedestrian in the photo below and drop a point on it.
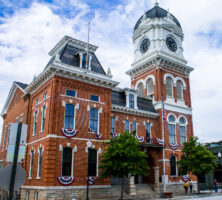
(191, 186)
(216, 185)
(186, 187)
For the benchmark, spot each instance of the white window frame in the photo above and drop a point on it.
(35, 123)
(176, 166)
(147, 86)
(136, 127)
(43, 117)
(74, 117)
(172, 123)
(31, 163)
(72, 167)
(181, 91)
(39, 167)
(184, 125)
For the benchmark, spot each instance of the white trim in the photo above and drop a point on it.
(63, 187)
(138, 82)
(168, 75)
(32, 152)
(150, 77)
(180, 79)
(38, 177)
(175, 126)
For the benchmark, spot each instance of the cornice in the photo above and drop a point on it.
(123, 109)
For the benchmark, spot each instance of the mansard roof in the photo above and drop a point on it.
(118, 98)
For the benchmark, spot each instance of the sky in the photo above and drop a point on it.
(30, 28)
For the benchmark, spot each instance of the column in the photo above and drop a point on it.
(81, 59)
(156, 179)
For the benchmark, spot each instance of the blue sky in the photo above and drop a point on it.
(29, 29)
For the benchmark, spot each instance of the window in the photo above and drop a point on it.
(173, 167)
(94, 98)
(39, 163)
(131, 100)
(148, 132)
(112, 126)
(140, 89)
(149, 86)
(69, 116)
(36, 195)
(35, 123)
(27, 195)
(182, 126)
(45, 95)
(31, 164)
(21, 118)
(134, 128)
(70, 93)
(4, 136)
(9, 130)
(127, 126)
(43, 118)
(66, 161)
(179, 90)
(169, 87)
(92, 165)
(93, 122)
(36, 101)
(172, 132)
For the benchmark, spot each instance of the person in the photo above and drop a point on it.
(191, 186)
(186, 186)
(216, 185)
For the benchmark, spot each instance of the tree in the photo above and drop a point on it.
(123, 157)
(196, 159)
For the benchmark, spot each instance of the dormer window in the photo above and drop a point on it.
(131, 100)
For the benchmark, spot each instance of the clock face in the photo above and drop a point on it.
(171, 44)
(144, 46)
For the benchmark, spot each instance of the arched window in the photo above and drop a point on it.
(140, 89)
(182, 124)
(179, 90)
(67, 161)
(169, 87)
(149, 86)
(69, 116)
(127, 126)
(134, 128)
(93, 120)
(172, 130)
(173, 166)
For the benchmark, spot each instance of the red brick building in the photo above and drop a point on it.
(74, 100)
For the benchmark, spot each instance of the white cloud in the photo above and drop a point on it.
(28, 35)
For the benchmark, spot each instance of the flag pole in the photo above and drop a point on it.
(163, 138)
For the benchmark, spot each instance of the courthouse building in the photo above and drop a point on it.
(73, 100)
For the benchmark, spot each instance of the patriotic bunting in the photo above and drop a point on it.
(185, 177)
(69, 132)
(115, 135)
(66, 180)
(140, 138)
(98, 136)
(159, 141)
(174, 146)
(152, 140)
(91, 179)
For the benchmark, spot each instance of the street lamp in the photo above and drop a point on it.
(89, 144)
(219, 157)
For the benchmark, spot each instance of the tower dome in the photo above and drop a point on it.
(156, 12)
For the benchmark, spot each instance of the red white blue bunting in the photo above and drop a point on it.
(115, 135)
(91, 179)
(185, 177)
(140, 138)
(69, 132)
(174, 146)
(98, 136)
(66, 180)
(159, 141)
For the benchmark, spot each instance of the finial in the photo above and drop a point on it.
(156, 4)
(109, 72)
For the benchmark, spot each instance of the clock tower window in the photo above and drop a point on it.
(149, 86)
(169, 87)
(179, 90)
(140, 89)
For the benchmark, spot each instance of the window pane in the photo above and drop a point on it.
(112, 126)
(127, 125)
(70, 93)
(179, 90)
(182, 120)
(69, 116)
(40, 162)
(140, 89)
(182, 134)
(94, 98)
(169, 87)
(35, 123)
(92, 162)
(172, 134)
(134, 128)
(147, 132)
(172, 165)
(66, 161)
(131, 101)
(150, 86)
(93, 122)
(171, 118)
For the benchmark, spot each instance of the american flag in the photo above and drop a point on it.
(163, 113)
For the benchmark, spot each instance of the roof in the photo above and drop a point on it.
(119, 98)
(69, 55)
(21, 85)
(156, 12)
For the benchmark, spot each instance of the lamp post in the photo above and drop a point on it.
(89, 144)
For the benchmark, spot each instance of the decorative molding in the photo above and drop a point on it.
(137, 112)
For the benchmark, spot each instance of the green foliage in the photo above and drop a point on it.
(123, 156)
(196, 158)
